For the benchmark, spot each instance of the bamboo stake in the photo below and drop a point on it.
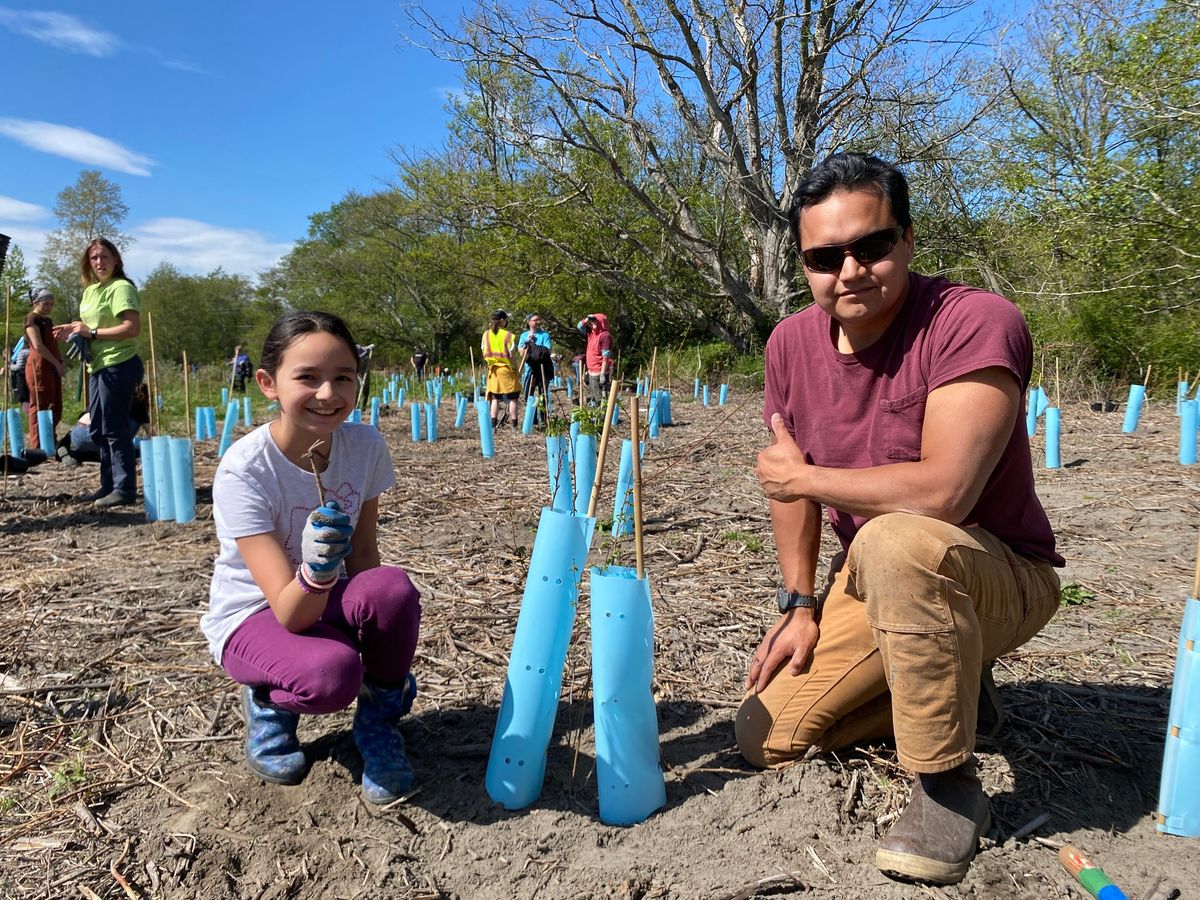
(187, 402)
(1196, 582)
(1147, 381)
(233, 368)
(155, 418)
(604, 433)
(7, 350)
(474, 379)
(1057, 386)
(637, 492)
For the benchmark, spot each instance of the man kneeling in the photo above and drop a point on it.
(894, 402)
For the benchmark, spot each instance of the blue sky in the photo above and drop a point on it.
(226, 124)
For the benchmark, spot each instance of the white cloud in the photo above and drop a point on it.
(77, 144)
(12, 209)
(60, 30)
(29, 238)
(197, 248)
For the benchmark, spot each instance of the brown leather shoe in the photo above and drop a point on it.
(936, 836)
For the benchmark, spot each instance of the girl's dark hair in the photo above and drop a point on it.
(296, 325)
(87, 276)
(852, 172)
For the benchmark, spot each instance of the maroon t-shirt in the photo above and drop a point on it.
(855, 410)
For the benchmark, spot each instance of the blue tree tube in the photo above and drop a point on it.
(628, 777)
(164, 490)
(1043, 401)
(1053, 430)
(210, 420)
(666, 408)
(696, 389)
(149, 492)
(623, 499)
(247, 420)
(224, 396)
(616, 419)
(16, 432)
(231, 412)
(1181, 392)
(461, 413)
(571, 444)
(375, 404)
(1031, 412)
(1189, 412)
(45, 420)
(530, 414)
(387, 392)
(585, 472)
(183, 479)
(517, 762)
(570, 389)
(1133, 410)
(201, 423)
(706, 395)
(400, 398)
(3, 431)
(414, 410)
(1178, 799)
(558, 468)
(431, 422)
(487, 441)
(723, 395)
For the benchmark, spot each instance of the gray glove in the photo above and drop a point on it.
(77, 348)
(326, 540)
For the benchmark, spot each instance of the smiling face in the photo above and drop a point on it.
(862, 298)
(315, 385)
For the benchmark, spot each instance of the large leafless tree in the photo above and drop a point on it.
(707, 114)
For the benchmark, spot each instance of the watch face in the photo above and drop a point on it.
(788, 600)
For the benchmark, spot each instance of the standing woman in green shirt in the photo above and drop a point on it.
(110, 322)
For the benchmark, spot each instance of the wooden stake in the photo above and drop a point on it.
(187, 401)
(612, 400)
(1057, 386)
(233, 369)
(474, 380)
(155, 418)
(1147, 381)
(1196, 582)
(637, 491)
(312, 464)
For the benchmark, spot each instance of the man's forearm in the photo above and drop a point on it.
(797, 528)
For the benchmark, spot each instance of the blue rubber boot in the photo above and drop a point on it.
(272, 749)
(387, 773)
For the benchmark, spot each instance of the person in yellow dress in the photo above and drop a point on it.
(499, 349)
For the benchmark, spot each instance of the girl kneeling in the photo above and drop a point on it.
(301, 611)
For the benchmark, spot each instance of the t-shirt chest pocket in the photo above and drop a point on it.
(900, 422)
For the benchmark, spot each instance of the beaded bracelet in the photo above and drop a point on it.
(310, 585)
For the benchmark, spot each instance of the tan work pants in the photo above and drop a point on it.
(912, 611)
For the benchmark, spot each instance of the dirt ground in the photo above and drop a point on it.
(121, 772)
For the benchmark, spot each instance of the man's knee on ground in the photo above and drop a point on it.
(753, 726)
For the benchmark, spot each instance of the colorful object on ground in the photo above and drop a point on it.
(628, 777)
(696, 389)
(1189, 413)
(1133, 409)
(487, 441)
(247, 420)
(723, 395)
(149, 488)
(530, 414)
(414, 410)
(665, 401)
(653, 415)
(1088, 874)
(183, 479)
(461, 412)
(558, 467)
(517, 763)
(375, 404)
(45, 421)
(706, 395)
(231, 411)
(163, 486)
(623, 498)
(431, 422)
(1031, 412)
(585, 471)
(1053, 431)
(1178, 799)
(224, 396)
(1181, 392)
(16, 432)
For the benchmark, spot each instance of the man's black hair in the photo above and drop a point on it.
(852, 172)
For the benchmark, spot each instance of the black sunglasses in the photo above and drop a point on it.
(867, 249)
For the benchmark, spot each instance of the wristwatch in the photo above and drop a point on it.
(790, 600)
(94, 332)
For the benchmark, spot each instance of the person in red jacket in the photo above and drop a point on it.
(598, 359)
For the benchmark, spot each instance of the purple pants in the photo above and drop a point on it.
(368, 630)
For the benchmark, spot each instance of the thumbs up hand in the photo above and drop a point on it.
(779, 464)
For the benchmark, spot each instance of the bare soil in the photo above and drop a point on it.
(121, 771)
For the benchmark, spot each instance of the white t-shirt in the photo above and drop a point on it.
(257, 490)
